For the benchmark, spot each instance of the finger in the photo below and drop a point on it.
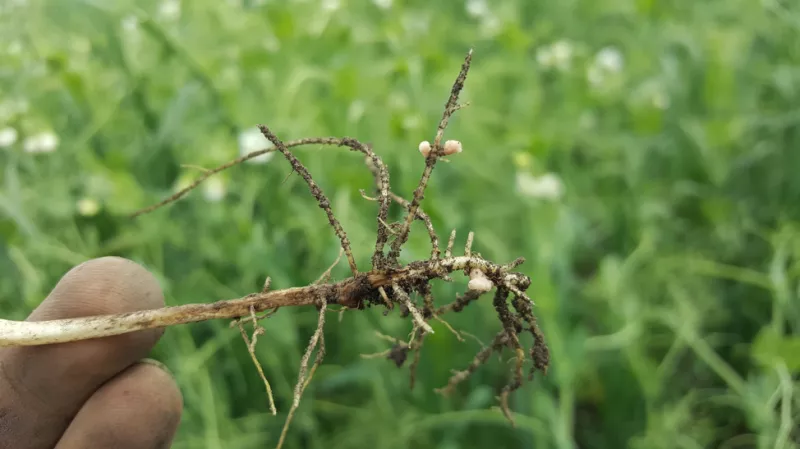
(140, 408)
(43, 387)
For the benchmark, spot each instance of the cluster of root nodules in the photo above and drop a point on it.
(406, 287)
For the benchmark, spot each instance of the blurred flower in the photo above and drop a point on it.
(45, 142)
(562, 52)
(477, 8)
(547, 186)
(383, 4)
(169, 9)
(252, 140)
(490, 24)
(557, 55)
(544, 56)
(8, 137)
(606, 62)
(610, 59)
(214, 189)
(88, 207)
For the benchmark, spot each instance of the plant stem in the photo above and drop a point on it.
(353, 292)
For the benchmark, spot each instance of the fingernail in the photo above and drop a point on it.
(158, 364)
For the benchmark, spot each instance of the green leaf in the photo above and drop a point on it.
(770, 348)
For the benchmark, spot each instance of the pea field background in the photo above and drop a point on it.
(643, 156)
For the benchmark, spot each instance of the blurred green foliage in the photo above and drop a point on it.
(664, 248)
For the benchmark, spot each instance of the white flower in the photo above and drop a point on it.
(8, 136)
(547, 186)
(252, 140)
(558, 55)
(562, 54)
(383, 4)
(88, 207)
(45, 142)
(214, 190)
(610, 59)
(477, 8)
(170, 9)
(607, 61)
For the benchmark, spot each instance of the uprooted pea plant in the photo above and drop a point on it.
(388, 283)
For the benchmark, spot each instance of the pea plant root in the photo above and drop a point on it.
(389, 283)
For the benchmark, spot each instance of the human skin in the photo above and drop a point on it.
(98, 393)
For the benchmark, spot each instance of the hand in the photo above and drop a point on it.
(94, 393)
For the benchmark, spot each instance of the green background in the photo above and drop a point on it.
(665, 277)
